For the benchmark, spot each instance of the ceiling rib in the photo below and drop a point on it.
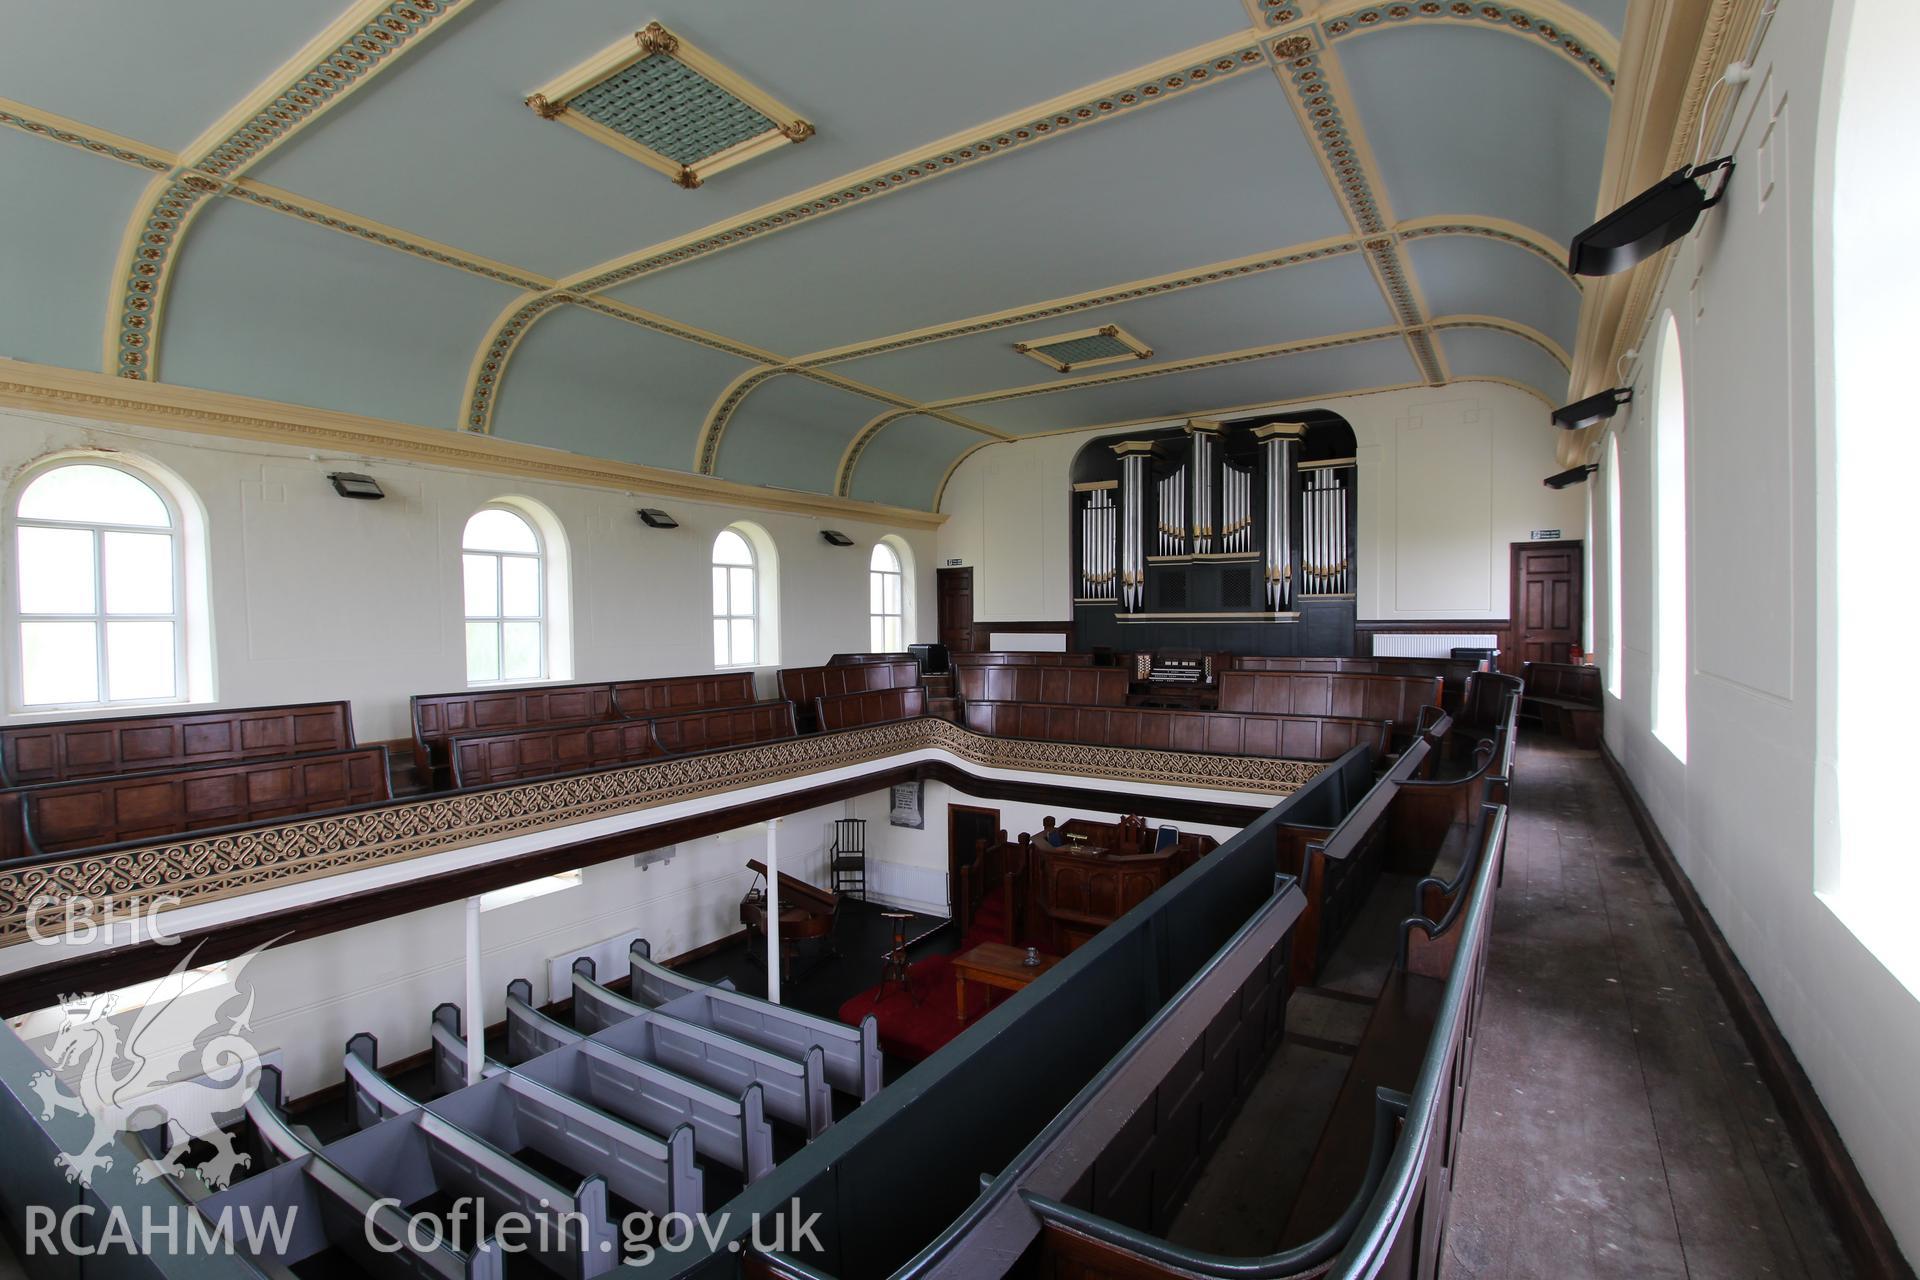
(1157, 82)
(370, 37)
(1500, 324)
(1544, 21)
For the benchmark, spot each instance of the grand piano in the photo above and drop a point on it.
(807, 917)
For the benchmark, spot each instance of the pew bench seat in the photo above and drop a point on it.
(1389, 1056)
(1565, 698)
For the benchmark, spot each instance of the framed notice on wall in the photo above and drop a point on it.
(906, 806)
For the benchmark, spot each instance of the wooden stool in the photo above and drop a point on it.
(893, 967)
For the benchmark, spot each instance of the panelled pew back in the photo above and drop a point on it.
(438, 718)
(1565, 698)
(65, 750)
(1456, 672)
(89, 813)
(1400, 699)
(1019, 658)
(801, 685)
(875, 706)
(541, 751)
(1162, 729)
(1078, 686)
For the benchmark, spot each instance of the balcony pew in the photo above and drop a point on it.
(859, 659)
(484, 759)
(438, 718)
(876, 706)
(801, 685)
(722, 727)
(1565, 699)
(1164, 729)
(1400, 699)
(1456, 672)
(66, 750)
(1079, 686)
(1018, 658)
(91, 813)
(667, 695)
(795, 1090)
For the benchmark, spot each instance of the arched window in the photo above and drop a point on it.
(1670, 545)
(100, 583)
(1616, 645)
(736, 601)
(885, 596)
(501, 565)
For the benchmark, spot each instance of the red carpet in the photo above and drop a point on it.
(913, 1032)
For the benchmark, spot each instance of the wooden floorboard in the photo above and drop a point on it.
(1616, 1124)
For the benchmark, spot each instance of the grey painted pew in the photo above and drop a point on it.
(655, 984)
(420, 1154)
(450, 1051)
(852, 1054)
(371, 1097)
(794, 1091)
(514, 1112)
(732, 1131)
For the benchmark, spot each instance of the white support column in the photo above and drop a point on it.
(476, 1018)
(773, 909)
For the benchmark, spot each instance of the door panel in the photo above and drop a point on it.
(956, 609)
(1546, 603)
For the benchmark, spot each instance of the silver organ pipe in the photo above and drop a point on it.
(1202, 520)
(1133, 540)
(1326, 516)
(1236, 509)
(1096, 546)
(1171, 492)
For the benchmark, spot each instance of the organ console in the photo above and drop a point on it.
(807, 915)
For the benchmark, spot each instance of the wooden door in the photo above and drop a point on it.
(956, 609)
(966, 824)
(1545, 604)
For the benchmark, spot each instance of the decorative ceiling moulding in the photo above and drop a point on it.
(850, 460)
(370, 37)
(1085, 348)
(656, 98)
(1132, 291)
(1157, 82)
(1490, 228)
(1679, 50)
(73, 133)
(98, 397)
(201, 870)
(1500, 324)
(1545, 22)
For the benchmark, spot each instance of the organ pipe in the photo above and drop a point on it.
(1327, 564)
(1097, 546)
(1133, 540)
(1278, 446)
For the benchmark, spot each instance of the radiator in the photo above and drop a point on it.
(1429, 644)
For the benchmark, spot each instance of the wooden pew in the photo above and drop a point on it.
(438, 718)
(801, 685)
(876, 706)
(1163, 729)
(858, 659)
(484, 759)
(637, 699)
(1454, 671)
(723, 727)
(1401, 699)
(65, 750)
(1080, 686)
(63, 817)
(1014, 658)
(1566, 699)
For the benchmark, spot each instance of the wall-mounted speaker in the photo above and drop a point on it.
(1597, 407)
(1649, 222)
(655, 518)
(1573, 476)
(836, 538)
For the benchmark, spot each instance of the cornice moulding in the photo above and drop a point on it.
(75, 393)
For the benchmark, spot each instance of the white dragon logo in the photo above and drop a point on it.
(169, 1042)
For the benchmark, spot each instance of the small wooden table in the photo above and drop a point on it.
(994, 964)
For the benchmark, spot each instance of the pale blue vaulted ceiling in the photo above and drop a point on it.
(536, 193)
(1331, 295)
(1021, 227)
(1281, 378)
(594, 385)
(1464, 122)
(1487, 353)
(275, 310)
(1471, 275)
(58, 207)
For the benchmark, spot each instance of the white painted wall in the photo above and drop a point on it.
(1740, 811)
(1449, 478)
(318, 597)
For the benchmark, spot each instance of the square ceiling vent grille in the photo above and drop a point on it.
(1070, 351)
(669, 106)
